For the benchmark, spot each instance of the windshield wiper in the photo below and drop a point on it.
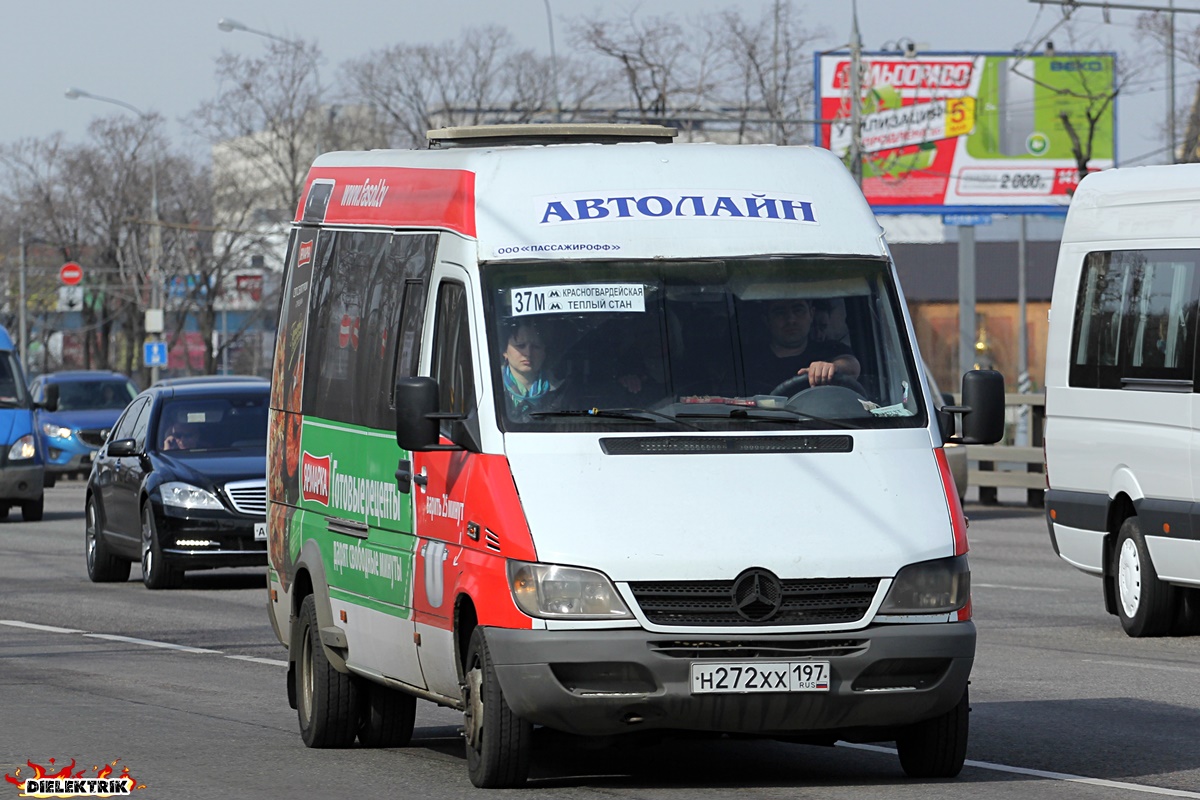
(771, 415)
(613, 413)
(10, 402)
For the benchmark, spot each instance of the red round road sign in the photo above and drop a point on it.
(70, 273)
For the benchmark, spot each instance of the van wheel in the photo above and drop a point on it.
(936, 748)
(327, 701)
(3, 512)
(157, 572)
(498, 741)
(387, 717)
(1144, 603)
(102, 566)
(49, 479)
(32, 510)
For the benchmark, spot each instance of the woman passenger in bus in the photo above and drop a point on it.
(526, 388)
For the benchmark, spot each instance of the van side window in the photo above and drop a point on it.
(1135, 320)
(452, 364)
(293, 312)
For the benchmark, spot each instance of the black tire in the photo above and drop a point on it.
(49, 479)
(386, 717)
(1145, 604)
(33, 510)
(498, 741)
(157, 572)
(936, 748)
(102, 566)
(3, 512)
(327, 701)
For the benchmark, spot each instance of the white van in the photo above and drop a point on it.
(540, 452)
(1122, 413)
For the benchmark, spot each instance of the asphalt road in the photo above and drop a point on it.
(186, 689)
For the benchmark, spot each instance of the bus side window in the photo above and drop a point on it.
(452, 362)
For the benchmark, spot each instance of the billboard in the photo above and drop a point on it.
(970, 132)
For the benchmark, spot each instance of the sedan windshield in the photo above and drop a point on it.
(210, 423)
(769, 342)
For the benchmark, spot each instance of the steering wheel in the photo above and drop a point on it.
(800, 383)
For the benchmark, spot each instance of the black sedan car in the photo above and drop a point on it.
(181, 484)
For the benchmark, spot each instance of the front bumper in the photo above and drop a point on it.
(621, 681)
(191, 542)
(62, 457)
(19, 483)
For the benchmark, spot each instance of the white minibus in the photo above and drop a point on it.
(1122, 412)
(554, 443)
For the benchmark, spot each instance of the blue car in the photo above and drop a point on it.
(20, 456)
(89, 402)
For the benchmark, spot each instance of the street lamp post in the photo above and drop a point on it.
(230, 25)
(22, 332)
(154, 314)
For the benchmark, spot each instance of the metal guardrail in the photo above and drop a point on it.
(1011, 466)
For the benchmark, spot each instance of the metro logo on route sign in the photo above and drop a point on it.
(70, 273)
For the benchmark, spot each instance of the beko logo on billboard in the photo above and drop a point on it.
(1077, 65)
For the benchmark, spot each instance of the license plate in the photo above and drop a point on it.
(260, 531)
(780, 676)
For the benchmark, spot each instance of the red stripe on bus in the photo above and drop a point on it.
(393, 196)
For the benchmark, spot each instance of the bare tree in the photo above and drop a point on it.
(769, 77)
(479, 78)
(268, 121)
(1155, 28)
(211, 234)
(90, 203)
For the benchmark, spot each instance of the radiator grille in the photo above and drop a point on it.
(248, 497)
(804, 602)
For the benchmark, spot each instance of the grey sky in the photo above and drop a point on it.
(158, 54)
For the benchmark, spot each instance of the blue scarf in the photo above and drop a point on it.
(517, 393)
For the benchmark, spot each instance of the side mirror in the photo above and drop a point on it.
(123, 448)
(983, 407)
(50, 402)
(417, 422)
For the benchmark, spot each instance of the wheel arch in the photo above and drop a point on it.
(1120, 508)
(309, 579)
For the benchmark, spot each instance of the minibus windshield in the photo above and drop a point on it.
(699, 344)
(12, 383)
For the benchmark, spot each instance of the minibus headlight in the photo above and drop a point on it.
(930, 587)
(22, 449)
(184, 495)
(56, 431)
(554, 592)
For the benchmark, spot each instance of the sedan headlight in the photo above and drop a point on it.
(23, 449)
(554, 592)
(56, 431)
(930, 587)
(184, 495)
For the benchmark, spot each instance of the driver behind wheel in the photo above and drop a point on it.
(791, 351)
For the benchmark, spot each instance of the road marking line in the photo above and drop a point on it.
(1035, 773)
(1161, 667)
(1054, 776)
(150, 643)
(1017, 588)
(13, 623)
(274, 662)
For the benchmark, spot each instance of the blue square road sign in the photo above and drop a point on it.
(154, 354)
